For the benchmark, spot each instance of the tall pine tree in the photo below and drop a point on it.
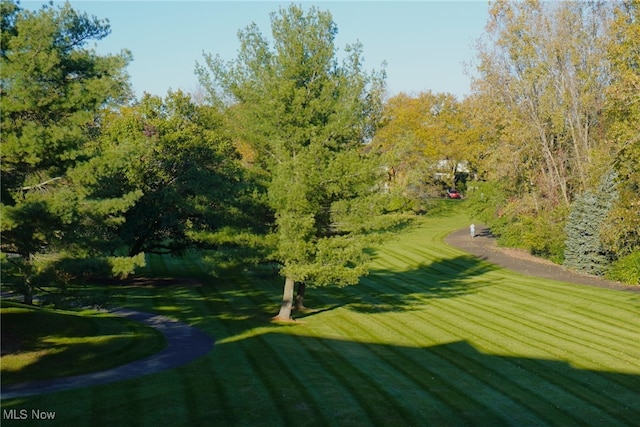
(306, 117)
(53, 90)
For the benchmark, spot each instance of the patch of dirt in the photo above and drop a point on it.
(484, 246)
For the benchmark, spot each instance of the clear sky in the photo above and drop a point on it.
(424, 43)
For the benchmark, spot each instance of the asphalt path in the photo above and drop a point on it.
(484, 246)
(184, 344)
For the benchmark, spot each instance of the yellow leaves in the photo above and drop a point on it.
(425, 129)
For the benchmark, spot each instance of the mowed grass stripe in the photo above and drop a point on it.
(522, 393)
(291, 395)
(347, 375)
(534, 378)
(397, 324)
(565, 319)
(597, 300)
(549, 332)
(412, 256)
(396, 372)
(295, 390)
(547, 297)
(516, 341)
(514, 344)
(354, 330)
(492, 329)
(252, 374)
(292, 364)
(574, 299)
(333, 387)
(448, 374)
(405, 266)
(571, 352)
(353, 369)
(605, 310)
(592, 399)
(572, 308)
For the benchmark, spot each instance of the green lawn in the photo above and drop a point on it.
(40, 344)
(431, 337)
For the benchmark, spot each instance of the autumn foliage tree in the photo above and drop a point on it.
(423, 140)
(621, 230)
(545, 66)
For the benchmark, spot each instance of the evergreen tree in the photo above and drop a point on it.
(584, 250)
(306, 118)
(53, 90)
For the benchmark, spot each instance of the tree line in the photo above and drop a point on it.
(292, 156)
(560, 81)
(270, 166)
(550, 134)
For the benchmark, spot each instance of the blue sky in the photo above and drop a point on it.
(424, 43)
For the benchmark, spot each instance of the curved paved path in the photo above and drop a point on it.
(484, 246)
(184, 344)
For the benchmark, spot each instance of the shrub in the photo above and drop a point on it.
(545, 236)
(626, 269)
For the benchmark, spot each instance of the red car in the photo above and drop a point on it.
(453, 194)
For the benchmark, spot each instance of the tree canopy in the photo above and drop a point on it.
(54, 89)
(175, 155)
(558, 83)
(307, 117)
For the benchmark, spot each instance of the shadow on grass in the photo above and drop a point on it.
(236, 300)
(41, 344)
(320, 379)
(447, 384)
(241, 300)
(398, 291)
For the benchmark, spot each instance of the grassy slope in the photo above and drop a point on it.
(431, 337)
(42, 343)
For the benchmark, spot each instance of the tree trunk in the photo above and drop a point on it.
(287, 300)
(28, 294)
(136, 248)
(300, 296)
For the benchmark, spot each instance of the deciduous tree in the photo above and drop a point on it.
(424, 139)
(620, 232)
(545, 65)
(176, 157)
